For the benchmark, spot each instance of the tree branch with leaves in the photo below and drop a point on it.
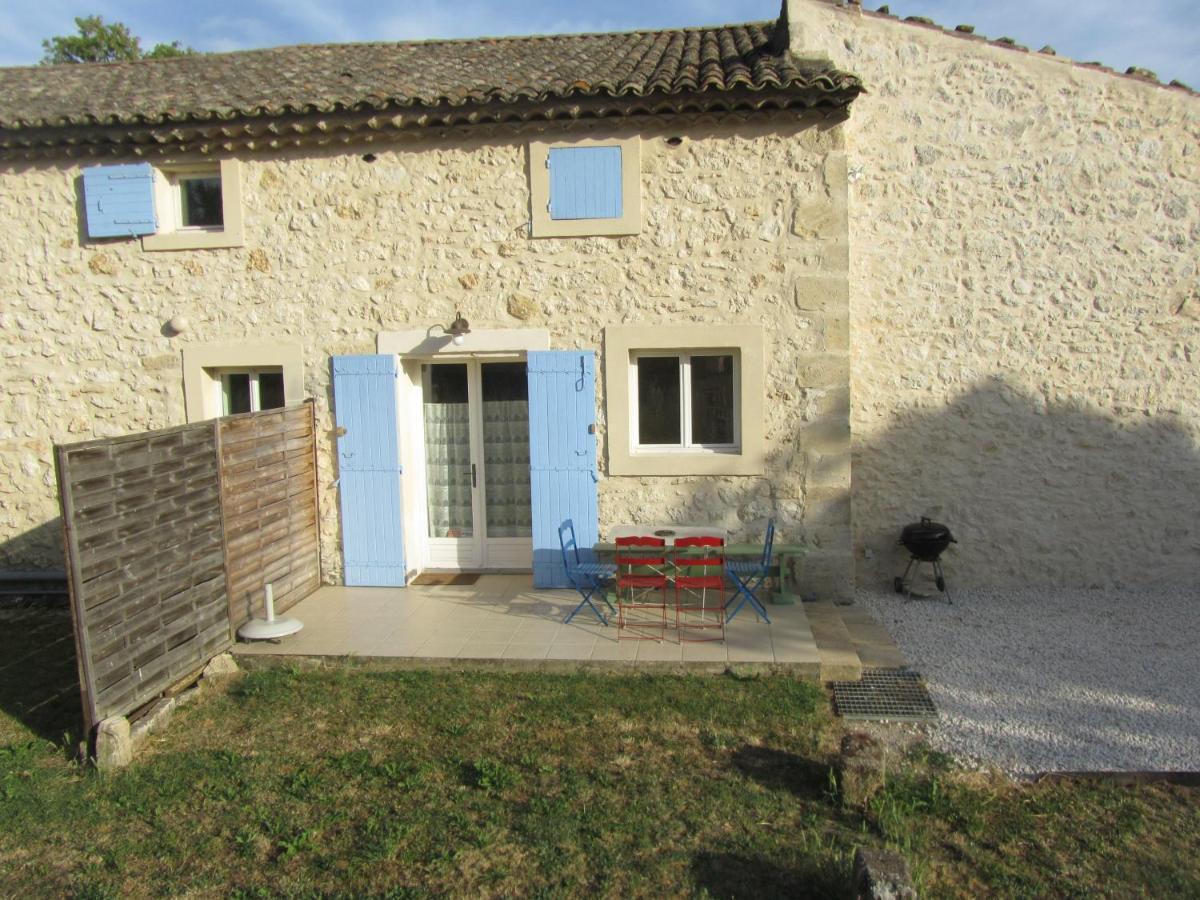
(98, 42)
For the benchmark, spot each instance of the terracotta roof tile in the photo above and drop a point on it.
(355, 77)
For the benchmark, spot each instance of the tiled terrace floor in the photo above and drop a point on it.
(502, 618)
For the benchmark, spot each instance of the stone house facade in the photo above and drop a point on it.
(970, 292)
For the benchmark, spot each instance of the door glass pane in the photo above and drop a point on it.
(235, 388)
(270, 390)
(712, 399)
(447, 451)
(658, 400)
(506, 450)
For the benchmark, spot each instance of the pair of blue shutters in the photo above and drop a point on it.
(119, 200)
(562, 452)
(585, 182)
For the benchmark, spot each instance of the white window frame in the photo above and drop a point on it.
(630, 220)
(220, 378)
(685, 402)
(172, 234)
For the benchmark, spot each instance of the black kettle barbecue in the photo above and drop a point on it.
(925, 541)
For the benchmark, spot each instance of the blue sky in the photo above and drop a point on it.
(1162, 35)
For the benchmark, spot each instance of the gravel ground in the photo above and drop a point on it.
(1058, 680)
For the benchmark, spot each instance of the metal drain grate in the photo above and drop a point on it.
(896, 695)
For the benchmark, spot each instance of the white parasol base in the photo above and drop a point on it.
(270, 628)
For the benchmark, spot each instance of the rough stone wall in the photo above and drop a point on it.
(1025, 308)
(743, 222)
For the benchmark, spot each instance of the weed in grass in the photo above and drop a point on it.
(248, 843)
(87, 886)
(491, 775)
(294, 843)
(353, 764)
(534, 762)
(715, 741)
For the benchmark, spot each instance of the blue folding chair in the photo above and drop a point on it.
(586, 577)
(748, 577)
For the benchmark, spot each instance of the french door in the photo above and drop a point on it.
(476, 424)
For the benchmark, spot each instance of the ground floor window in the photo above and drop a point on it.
(251, 390)
(685, 401)
(226, 379)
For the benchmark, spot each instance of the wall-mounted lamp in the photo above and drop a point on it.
(459, 329)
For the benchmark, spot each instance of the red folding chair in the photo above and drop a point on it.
(700, 589)
(641, 571)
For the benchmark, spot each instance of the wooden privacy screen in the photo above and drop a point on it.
(170, 536)
(269, 501)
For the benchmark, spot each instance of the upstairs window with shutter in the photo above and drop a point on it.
(587, 187)
(172, 206)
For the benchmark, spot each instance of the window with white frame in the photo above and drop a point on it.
(684, 399)
(685, 402)
(250, 390)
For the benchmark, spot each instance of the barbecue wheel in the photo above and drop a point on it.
(941, 583)
(899, 585)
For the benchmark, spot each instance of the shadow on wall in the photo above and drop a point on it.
(1036, 493)
(38, 548)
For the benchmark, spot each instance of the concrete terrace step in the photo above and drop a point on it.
(874, 644)
(835, 646)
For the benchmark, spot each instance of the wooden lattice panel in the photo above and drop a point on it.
(146, 566)
(170, 537)
(269, 497)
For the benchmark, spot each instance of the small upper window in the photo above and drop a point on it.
(685, 401)
(198, 200)
(199, 206)
(586, 187)
(251, 390)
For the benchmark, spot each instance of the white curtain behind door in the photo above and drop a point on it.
(506, 462)
(448, 469)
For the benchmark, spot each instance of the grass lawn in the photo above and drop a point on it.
(356, 782)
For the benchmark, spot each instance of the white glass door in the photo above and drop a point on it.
(476, 422)
(504, 461)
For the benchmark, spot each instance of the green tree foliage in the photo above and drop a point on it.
(98, 42)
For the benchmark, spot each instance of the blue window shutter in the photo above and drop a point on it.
(119, 200)
(562, 457)
(364, 401)
(585, 182)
